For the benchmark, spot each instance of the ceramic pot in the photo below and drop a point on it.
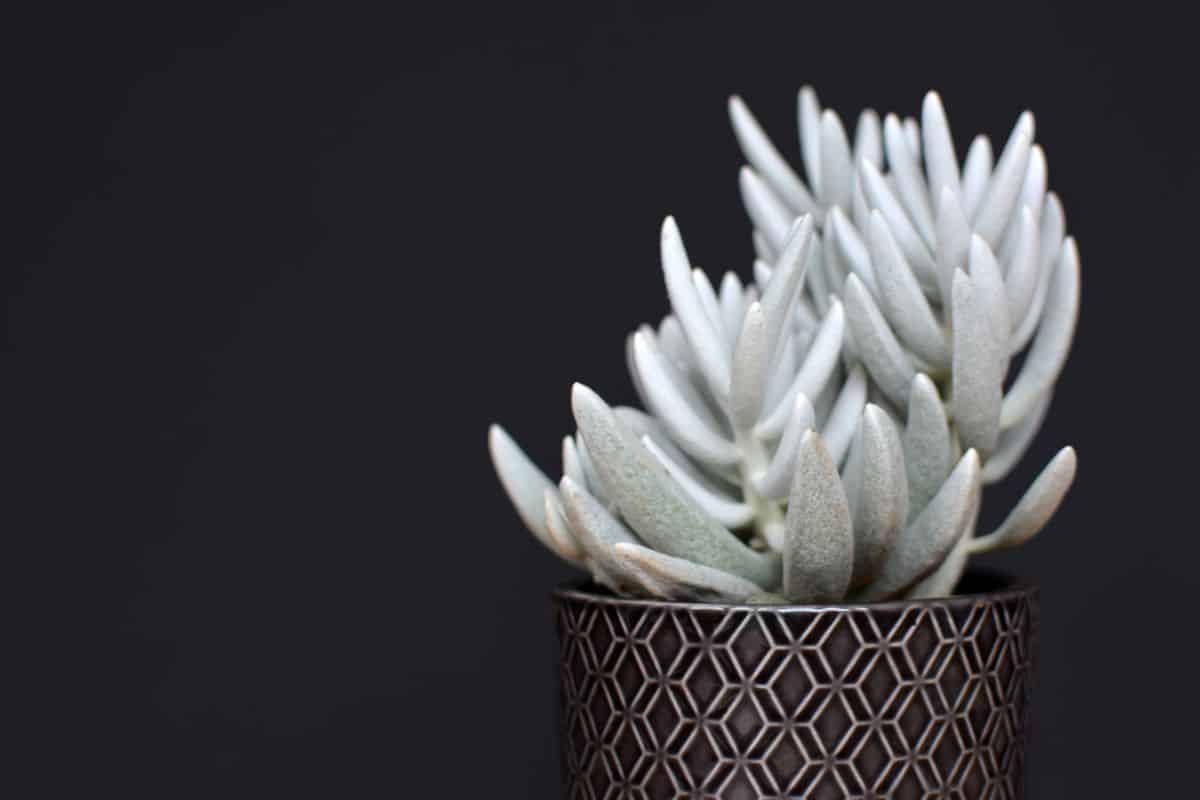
(911, 699)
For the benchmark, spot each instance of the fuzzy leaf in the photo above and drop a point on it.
(837, 166)
(814, 373)
(683, 580)
(709, 302)
(572, 466)
(944, 580)
(879, 502)
(787, 280)
(996, 207)
(654, 505)
(673, 343)
(912, 134)
(705, 341)
(677, 405)
(782, 371)
(875, 343)
(559, 530)
(766, 211)
(730, 513)
(901, 299)
(819, 541)
(868, 139)
(762, 249)
(977, 169)
(1048, 354)
(910, 184)
(749, 370)
(1036, 507)
(852, 248)
(1050, 232)
(843, 419)
(1015, 441)
(921, 546)
(775, 482)
(765, 158)
(592, 483)
(977, 371)
(941, 163)
(810, 137)
(1033, 190)
(641, 424)
(928, 451)
(1022, 278)
(523, 481)
(990, 289)
(730, 297)
(596, 530)
(879, 196)
(953, 242)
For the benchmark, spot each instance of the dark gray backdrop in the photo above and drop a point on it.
(272, 272)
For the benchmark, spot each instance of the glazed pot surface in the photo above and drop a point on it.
(900, 700)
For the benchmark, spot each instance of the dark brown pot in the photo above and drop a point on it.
(928, 698)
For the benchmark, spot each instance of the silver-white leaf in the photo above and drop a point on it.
(953, 242)
(1048, 354)
(559, 531)
(776, 481)
(683, 580)
(524, 483)
(977, 168)
(852, 248)
(941, 163)
(837, 165)
(1021, 279)
(1036, 507)
(596, 530)
(814, 373)
(875, 343)
(787, 279)
(730, 513)
(879, 196)
(819, 540)
(657, 509)
(901, 299)
(868, 139)
(765, 158)
(977, 372)
(730, 297)
(996, 207)
(879, 501)
(922, 545)
(765, 209)
(989, 286)
(809, 111)
(678, 406)
(705, 341)
(1015, 441)
(844, 417)
(928, 448)
(910, 183)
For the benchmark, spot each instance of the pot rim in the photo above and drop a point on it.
(1007, 587)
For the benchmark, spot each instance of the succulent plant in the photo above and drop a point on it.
(822, 433)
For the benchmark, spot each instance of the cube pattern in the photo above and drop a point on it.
(922, 699)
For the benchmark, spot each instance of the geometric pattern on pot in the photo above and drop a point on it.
(899, 700)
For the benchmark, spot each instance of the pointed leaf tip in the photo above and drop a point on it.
(819, 540)
(921, 547)
(524, 483)
(1036, 506)
(653, 504)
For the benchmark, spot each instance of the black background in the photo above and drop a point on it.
(271, 273)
